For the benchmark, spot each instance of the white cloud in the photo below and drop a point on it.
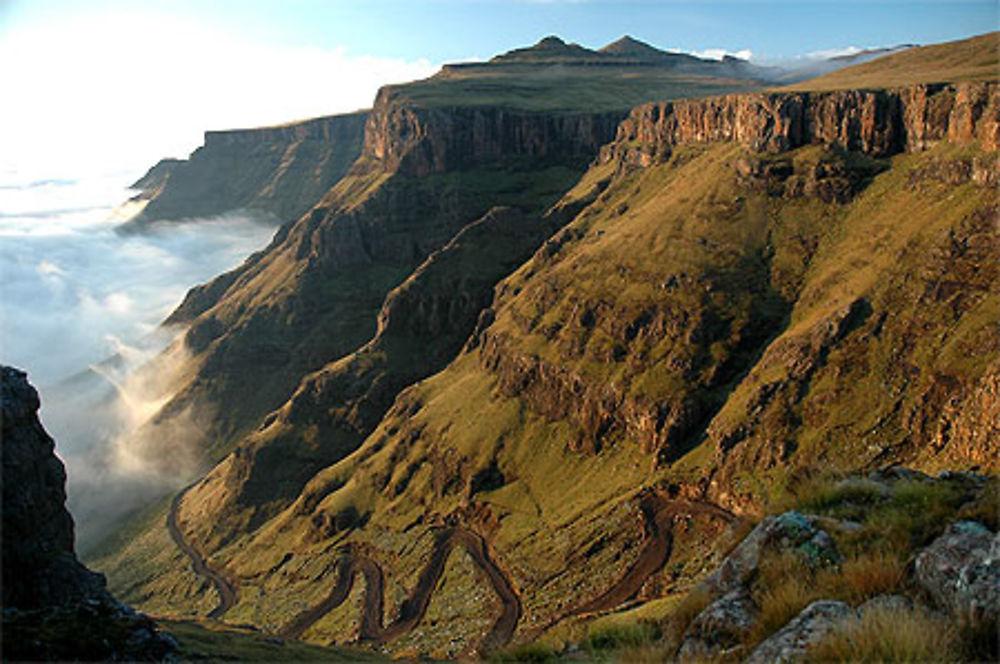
(125, 89)
(832, 53)
(47, 268)
(719, 53)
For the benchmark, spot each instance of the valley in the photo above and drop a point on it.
(543, 344)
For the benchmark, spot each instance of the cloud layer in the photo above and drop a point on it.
(126, 88)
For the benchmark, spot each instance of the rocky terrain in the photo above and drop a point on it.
(517, 379)
(54, 608)
(276, 173)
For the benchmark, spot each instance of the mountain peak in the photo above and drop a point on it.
(630, 46)
(551, 41)
(550, 48)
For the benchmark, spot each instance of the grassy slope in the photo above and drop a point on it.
(974, 59)
(555, 505)
(564, 88)
(290, 317)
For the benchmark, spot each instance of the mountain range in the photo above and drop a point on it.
(535, 338)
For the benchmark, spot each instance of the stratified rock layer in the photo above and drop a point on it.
(277, 172)
(875, 122)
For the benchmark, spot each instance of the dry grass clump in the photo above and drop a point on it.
(890, 636)
(686, 611)
(866, 575)
(536, 651)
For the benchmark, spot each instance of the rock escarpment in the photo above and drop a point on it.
(277, 172)
(418, 141)
(874, 122)
(54, 607)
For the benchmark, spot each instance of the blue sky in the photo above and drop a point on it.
(125, 81)
(443, 30)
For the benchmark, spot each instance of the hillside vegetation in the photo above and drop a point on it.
(974, 59)
(521, 385)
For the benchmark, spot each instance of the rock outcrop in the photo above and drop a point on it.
(874, 122)
(273, 172)
(39, 564)
(961, 571)
(803, 632)
(54, 608)
(418, 141)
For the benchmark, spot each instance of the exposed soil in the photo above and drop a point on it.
(658, 518)
(226, 590)
(414, 607)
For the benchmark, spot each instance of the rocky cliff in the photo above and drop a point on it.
(873, 122)
(419, 141)
(54, 607)
(277, 172)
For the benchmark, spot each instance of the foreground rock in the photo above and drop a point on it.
(790, 531)
(961, 571)
(54, 608)
(803, 632)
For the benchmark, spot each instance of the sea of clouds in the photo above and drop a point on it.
(80, 310)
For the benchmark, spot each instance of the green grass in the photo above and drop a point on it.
(211, 643)
(973, 59)
(565, 89)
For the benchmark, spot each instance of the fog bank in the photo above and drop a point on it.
(80, 312)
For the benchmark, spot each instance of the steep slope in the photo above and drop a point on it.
(278, 172)
(747, 293)
(973, 59)
(426, 171)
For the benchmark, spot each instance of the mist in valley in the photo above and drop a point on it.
(81, 311)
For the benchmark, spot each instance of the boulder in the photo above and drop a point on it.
(791, 531)
(722, 625)
(801, 633)
(961, 571)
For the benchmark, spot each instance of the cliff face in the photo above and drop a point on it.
(314, 294)
(39, 564)
(419, 141)
(54, 607)
(277, 172)
(875, 122)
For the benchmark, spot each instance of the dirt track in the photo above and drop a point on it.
(227, 593)
(658, 517)
(414, 607)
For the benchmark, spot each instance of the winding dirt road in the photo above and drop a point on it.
(414, 607)
(226, 591)
(658, 519)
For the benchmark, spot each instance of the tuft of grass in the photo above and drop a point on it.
(784, 586)
(985, 507)
(890, 636)
(697, 599)
(536, 651)
(979, 641)
(620, 637)
(866, 575)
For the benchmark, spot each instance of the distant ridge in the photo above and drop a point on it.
(973, 59)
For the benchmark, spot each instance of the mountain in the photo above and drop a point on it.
(275, 172)
(973, 59)
(535, 358)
